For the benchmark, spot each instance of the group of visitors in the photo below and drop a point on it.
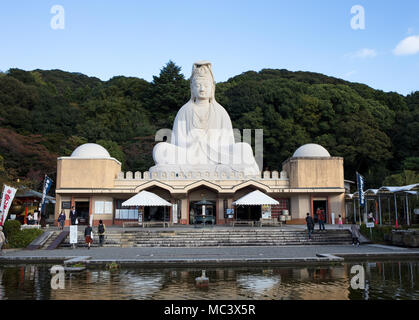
(88, 234)
(88, 231)
(321, 220)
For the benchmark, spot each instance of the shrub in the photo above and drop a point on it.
(379, 233)
(24, 237)
(11, 228)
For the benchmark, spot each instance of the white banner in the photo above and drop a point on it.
(174, 213)
(73, 234)
(6, 202)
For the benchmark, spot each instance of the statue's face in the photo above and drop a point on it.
(201, 88)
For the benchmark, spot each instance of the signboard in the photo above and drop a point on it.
(73, 234)
(230, 213)
(266, 211)
(66, 205)
(370, 225)
(203, 210)
(91, 220)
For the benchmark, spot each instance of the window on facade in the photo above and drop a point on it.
(125, 213)
(103, 207)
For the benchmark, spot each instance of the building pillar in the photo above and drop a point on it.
(57, 209)
(184, 219)
(220, 211)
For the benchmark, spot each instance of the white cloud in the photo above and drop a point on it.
(407, 46)
(363, 54)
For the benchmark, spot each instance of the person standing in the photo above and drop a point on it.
(2, 240)
(61, 219)
(88, 236)
(310, 225)
(73, 216)
(355, 234)
(320, 218)
(101, 231)
(340, 222)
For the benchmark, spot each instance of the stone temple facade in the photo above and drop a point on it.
(91, 181)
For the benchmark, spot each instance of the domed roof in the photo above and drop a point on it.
(311, 150)
(90, 150)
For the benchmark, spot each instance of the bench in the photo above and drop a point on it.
(164, 224)
(130, 224)
(270, 222)
(243, 223)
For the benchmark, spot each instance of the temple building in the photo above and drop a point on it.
(201, 170)
(92, 181)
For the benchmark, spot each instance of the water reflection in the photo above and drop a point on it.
(384, 280)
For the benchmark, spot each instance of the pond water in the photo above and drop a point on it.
(383, 280)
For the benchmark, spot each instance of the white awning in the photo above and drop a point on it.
(371, 191)
(255, 198)
(145, 199)
(400, 189)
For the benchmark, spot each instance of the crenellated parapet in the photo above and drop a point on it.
(205, 175)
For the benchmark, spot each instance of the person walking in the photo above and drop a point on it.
(88, 231)
(2, 240)
(320, 218)
(101, 231)
(61, 219)
(355, 234)
(310, 225)
(73, 216)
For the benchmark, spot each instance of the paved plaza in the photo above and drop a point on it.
(216, 255)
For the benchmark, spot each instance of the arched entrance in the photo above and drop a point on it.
(202, 200)
(158, 213)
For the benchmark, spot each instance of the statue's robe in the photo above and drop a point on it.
(210, 144)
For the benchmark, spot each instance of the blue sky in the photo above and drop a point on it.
(136, 38)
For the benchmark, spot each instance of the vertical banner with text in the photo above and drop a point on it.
(47, 186)
(6, 201)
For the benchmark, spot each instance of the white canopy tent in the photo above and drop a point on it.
(255, 198)
(145, 199)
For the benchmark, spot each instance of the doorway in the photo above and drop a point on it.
(320, 205)
(159, 213)
(253, 213)
(196, 215)
(82, 211)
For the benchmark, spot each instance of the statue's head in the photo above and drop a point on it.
(202, 81)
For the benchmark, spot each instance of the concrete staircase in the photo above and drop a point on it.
(235, 237)
(214, 238)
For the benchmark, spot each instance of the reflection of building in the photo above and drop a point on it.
(92, 181)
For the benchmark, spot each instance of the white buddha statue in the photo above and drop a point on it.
(202, 137)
